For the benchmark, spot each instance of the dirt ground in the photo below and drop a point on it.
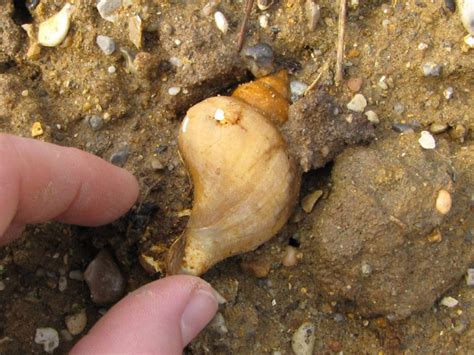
(65, 85)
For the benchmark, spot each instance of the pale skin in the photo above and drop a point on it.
(42, 182)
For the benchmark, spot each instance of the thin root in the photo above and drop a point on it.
(243, 27)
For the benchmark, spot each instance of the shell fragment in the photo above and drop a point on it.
(54, 30)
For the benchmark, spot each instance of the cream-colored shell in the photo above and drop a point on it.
(54, 30)
(245, 183)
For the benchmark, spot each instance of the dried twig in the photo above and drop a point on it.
(340, 43)
(243, 27)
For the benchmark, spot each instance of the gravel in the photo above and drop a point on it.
(48, 337)
(304, 339)
(358, 103)
(106, 44)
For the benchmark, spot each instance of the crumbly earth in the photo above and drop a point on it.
(67, 84)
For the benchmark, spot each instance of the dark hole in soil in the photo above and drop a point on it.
(21, 15)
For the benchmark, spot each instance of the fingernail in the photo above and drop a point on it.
(199, 311)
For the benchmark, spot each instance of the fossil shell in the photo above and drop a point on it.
(270, 95)
(245, 183)
(54, 30)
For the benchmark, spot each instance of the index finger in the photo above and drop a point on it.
(41, 182)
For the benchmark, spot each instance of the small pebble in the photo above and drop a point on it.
(304, 338)
(76, 323)
(36, 129)
(76, 275)
(313, 14)
(62, 283)
(54, 30)
(174, 90)
(263, 21)
(156, 164)
(291, 256)
(470, 277)
(459, 133)
(48, 337)
(310, 200)
(221, 22)
(366, 269)
(218, 324)
(431, 69)
(358, 103)
(105, 281)
(354, 84)
(382, 83)
(372, 117)
(95, 122)
(402, 128)
(437, 128)
(448, 93)
(422, 46)
(259, 268)
(2, 286)
(259, 59)
(443, 202)
(297, 88)
(106, 44)
(449, 302)
(426, 140)
(25, 93)
(111, 69)
(120, 157)
(108, 9)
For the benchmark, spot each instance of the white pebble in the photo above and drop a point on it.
(221, 22)
(382, 83)
(358, 103)
(448, 93)
(426, 140)
(111, 69)
(174, 90)
(263, 21)
(219, 115)
(76, 323)
(449, 302)
(303, 339)
(372, 117)
(106, 44)
(291, 257)
(470, 277)
(108, 9)
(48, 337)
(422, 46)
(54, 30)
(443, 202)
(297, 88)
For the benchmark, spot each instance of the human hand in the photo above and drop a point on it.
(40, 182)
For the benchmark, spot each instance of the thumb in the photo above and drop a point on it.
(159, 318)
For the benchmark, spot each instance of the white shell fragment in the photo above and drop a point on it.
(426, 140)
(54, 30)
(135, 29)
(219, 115)
(466, 11)
(221, 22)
(303, 339)
(449, 302)
(358, 103)
(48, 337)
(443, 202)
(108, 8)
